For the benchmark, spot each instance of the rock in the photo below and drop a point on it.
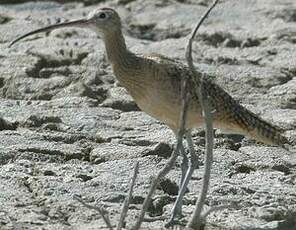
(118, 98)
(6, 125)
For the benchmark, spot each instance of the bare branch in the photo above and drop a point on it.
(128, 198)
(103, 212)
(189, 46)
(218, 208)
(168, 166)
(196, 220)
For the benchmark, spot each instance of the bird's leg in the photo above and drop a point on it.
(177, 208)
(184, 169)
(184, 165)
(194, 158)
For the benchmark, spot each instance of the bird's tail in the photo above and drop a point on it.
(259, 129)
(241, 119)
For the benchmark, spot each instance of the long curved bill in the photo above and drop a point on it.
(77, 23)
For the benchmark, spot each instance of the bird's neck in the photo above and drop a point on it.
(118, 54)
(125, 64)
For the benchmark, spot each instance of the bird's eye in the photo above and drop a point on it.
(102, 15)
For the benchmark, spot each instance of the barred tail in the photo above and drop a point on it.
(234, 116)
(260, 129)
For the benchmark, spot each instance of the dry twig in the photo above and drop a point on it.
(168, 166)
(103, 212)
(196, 219)
(128, 198)
(218, 208)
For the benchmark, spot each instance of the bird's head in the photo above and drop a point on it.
(102, 21)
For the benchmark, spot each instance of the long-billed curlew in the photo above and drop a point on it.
(154, 81)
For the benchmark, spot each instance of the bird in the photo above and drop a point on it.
(154, 82)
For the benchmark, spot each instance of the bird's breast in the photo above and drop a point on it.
(165, 105)
(157, 97)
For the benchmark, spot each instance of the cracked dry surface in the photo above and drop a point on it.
(67, 127)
